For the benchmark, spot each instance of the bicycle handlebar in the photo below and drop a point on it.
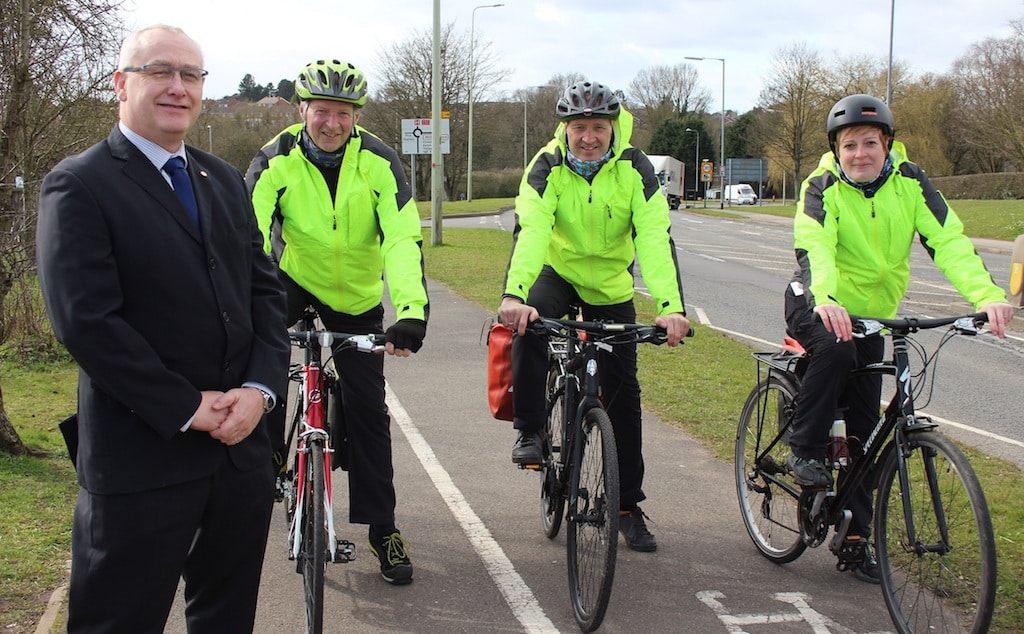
(606, 331)
(964, 324)
(370, 343)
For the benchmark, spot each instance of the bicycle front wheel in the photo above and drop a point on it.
(936, 551)
(313, 552)
(769, 499)
(593, 526)
(552, 499)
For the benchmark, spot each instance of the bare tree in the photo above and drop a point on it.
(989, 85)
(922, 114)
(660, 93)
(796, 100)
(405, 88)
(56, 59)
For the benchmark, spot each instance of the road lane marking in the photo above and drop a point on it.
(516, 593)
(819, 623)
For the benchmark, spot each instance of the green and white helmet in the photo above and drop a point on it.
(331, 79)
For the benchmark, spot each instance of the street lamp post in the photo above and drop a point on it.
(696, 166)
(525, 157)
(209, 131)
(721, 167)
(472, 78)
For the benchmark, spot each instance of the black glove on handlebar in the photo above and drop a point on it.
(407, 334)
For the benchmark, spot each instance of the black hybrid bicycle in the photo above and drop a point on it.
(935, 547)
(306, 487)
(580, 470)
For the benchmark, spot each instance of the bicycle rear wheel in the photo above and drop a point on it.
(552, 500)
(769, 499)
(945, 580)
(313, 553)
(593, 527)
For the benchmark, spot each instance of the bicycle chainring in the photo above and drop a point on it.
(813, 530)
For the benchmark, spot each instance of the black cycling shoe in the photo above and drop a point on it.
(528, 449)
(809, 472)
(393, 553)
(634, 529)
(867, 569)
(858, 556)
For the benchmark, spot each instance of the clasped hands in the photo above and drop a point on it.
(229, 416)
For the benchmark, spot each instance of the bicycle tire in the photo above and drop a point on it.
(769, 499)
(314, 539)
(592, 539)
(552, 500)
(929, 591)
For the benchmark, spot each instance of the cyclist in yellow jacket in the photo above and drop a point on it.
(853, 231)
(338, 217)
(589, 203)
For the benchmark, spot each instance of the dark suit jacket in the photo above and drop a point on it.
(154, 311)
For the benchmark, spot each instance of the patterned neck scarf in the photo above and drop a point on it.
(871, 187)
(587, 169)
(318, 157)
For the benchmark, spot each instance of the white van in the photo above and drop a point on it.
(741, 194)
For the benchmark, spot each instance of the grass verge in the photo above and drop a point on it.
(37, 493)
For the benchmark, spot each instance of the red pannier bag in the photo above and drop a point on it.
(499, 371)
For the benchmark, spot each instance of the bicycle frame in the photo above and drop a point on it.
(889, 434)
(312, 428)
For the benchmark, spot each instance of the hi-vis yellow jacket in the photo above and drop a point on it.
(589, 233)
(340, 250)
(854, 250)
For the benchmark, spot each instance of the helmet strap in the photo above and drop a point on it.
(871, 187)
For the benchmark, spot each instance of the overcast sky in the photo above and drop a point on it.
(610, 40)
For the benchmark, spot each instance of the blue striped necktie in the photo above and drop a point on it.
(175, 166)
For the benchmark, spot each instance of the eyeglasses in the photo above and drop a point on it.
(165, 72)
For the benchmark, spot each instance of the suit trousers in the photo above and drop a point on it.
(128, 552)
(620, 389)
(825, 387)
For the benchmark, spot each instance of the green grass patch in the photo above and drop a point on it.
(457, 207)
(701, 387)
(37, 493)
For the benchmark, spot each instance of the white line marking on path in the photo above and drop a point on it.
(517, 594)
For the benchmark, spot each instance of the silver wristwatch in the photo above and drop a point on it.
(268, 400)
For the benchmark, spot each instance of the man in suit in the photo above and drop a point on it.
(176, 319)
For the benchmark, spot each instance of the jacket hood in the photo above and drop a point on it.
(622, 128)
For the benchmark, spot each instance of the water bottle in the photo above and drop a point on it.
(838, 450)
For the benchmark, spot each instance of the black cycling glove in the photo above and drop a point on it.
(407, 334)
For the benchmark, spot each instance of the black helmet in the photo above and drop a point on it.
(587, 99)
(858, 110)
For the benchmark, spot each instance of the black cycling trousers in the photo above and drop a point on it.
(620, 390)
(370, 469)
(826, 387)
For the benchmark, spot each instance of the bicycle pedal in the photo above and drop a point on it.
(344, 552)
(532, 467)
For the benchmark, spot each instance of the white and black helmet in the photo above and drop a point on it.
(587, 99)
